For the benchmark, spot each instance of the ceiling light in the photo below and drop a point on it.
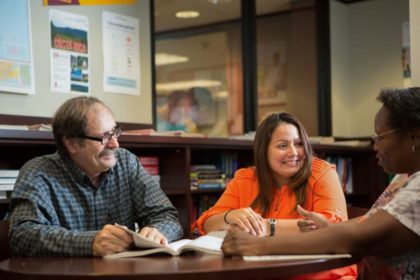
(221, 94)
(187, 14)
(219, 1)
(168, 58)
(185, 85)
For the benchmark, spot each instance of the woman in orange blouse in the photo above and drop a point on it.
(262, 200)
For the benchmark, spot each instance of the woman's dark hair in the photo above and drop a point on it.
(265, 177)
(403, 106)
(70, 120)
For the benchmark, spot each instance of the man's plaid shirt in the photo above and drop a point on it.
(55, 210)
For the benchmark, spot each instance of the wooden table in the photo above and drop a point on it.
(189, 266)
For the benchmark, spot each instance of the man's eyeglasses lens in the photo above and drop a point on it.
(106, 137)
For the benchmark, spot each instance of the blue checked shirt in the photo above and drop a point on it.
(55, 210)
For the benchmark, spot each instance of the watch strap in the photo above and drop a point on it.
(272, 223)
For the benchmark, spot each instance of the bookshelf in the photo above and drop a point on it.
(369, 179)
(176, 156)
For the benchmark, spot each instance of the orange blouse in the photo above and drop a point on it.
(324, 195)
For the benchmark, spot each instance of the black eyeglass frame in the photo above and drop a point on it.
(116, 132)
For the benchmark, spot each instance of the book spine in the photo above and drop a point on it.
(149, 160)
(6, 187)
(210, 186)
(9, 173)
(151, 164)
(7, 181)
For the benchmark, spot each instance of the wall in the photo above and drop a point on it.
(127, 108)
(302, 76)
(339, 69)
(296, 30)
(366, 42)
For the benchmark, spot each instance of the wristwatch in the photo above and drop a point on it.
(272, 223)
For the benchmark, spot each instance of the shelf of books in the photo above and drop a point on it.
(362, 179)
(194, 172)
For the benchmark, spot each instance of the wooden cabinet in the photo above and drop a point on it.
(177, 155)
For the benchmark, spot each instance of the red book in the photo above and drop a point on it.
(152, 169)
(149, 160)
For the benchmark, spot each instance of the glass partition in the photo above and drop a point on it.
(199, 69)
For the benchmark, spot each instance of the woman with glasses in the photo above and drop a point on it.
(262, 200)
(391, 230)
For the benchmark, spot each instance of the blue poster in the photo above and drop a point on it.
(16, 62)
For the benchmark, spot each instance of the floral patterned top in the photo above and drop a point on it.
(401, 199)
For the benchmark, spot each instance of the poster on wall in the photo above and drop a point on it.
(272, 66)
(69, 56)
(16, 59)
(120, 43)
(272, 78)
(406, 50)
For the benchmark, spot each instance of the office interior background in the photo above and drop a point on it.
(324, 61)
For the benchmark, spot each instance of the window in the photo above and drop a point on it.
(205, 53)
(199, 69)
(286, 60)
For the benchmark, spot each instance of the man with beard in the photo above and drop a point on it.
(67, 203)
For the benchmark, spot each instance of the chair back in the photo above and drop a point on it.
(4, 240)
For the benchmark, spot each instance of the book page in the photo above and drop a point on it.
(210, 243)
(177, 245)
(140, 241)
(294, 257)
(139, 253)
(207, 244)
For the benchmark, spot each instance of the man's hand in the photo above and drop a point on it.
(153, 234)
(109, 240)
(312, 220)
(247, 220)
(238, 242)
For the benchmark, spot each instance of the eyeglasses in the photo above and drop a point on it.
(378, 138)
(116, 132)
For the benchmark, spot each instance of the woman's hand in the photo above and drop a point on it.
(238, 242)
(312, 220)
(247, 220)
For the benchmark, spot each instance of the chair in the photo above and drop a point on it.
(4, 240)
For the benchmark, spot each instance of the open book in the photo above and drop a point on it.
(209, 243)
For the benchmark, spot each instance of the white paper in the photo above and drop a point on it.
(121, 54)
